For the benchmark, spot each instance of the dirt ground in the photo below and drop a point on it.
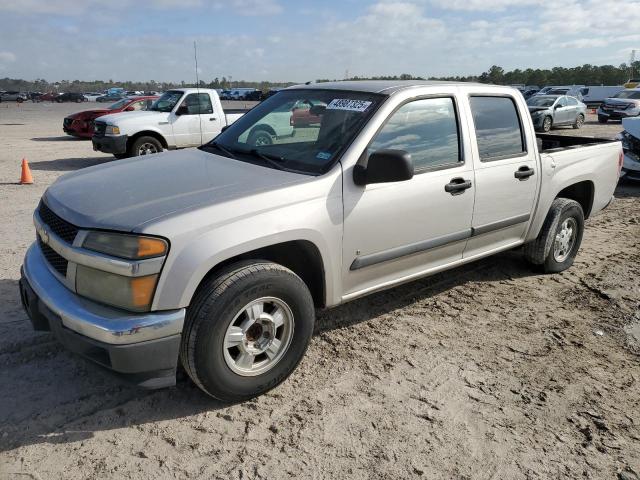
(489, 371)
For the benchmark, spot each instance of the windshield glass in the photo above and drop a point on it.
(299, 130)
(119, 104)
(167, 101)
(633, 94)
(540, 101)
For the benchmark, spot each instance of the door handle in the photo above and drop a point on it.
(212, 119)
(523, 173)
(457, 186)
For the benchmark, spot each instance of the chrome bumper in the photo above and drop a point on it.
(98, 322)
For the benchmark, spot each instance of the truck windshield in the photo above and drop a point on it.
(299, 130)
(167, 101)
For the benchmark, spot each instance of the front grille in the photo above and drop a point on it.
(99, 129)
(58, 262)
(60, 227)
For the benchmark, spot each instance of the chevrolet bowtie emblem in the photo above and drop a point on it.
(44, 236)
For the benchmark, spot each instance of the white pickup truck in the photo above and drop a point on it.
(217, 257)
(182, 117)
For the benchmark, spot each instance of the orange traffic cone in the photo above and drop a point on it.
(26, 178)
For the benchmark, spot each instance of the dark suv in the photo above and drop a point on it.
(71, 97)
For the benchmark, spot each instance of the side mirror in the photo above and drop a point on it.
(182, 111)
(129, 109)
(384, 166)
(557, 107)
(317, 110)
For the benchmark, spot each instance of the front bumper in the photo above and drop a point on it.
(617, 114)
(142, 347)
(78, 128)
(110, 144)
(630, 168)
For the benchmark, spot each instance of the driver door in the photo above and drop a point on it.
(185, 122)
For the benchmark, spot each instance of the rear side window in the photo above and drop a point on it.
(427, 129)
(498, 128)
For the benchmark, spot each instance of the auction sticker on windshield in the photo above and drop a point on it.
(350, 105)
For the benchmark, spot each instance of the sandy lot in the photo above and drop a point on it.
(490, 371)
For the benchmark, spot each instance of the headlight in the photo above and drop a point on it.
(130, 293)
(120, 245)
(112, 130)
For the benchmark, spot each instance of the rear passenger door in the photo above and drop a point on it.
(507, 173)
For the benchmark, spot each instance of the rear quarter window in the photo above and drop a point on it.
(498, 127)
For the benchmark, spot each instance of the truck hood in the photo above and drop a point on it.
(632, 126)
(133, 117)
(126, 194)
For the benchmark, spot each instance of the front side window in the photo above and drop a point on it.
(309, 140)
(498, 128)
(196, 104)
(427, 129)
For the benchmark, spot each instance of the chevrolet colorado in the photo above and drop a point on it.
(217, 257)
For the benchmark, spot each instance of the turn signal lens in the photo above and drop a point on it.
(151, 247)
(142, 290)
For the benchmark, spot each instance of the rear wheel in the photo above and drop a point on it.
(579, 122)
(246, 330)
(556, 247)
(547, 123)
(145, 146)
(602, 119)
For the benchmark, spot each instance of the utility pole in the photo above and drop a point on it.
(632, 60)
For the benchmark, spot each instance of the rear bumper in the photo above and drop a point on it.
(110, 144)
(142, 347)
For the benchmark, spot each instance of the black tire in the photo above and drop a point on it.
(150, 145)
(547, 124)
(19, 100)
(602, 119)
(218, 303)
(260, 137)
(577, 125)
(542, 251)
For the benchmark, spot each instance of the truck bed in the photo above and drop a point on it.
(549, 143)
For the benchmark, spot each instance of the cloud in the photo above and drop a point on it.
(483, 5)
(6, 57)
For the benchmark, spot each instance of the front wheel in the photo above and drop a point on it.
(260, 138)
(144, 146)
(579, 122)
(246, 330)
(558, 243)
(547, 123)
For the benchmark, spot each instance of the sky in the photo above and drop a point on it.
(301, 40)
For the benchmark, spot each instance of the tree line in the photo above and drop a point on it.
(583, 75)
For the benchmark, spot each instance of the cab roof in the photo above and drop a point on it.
(386, 87)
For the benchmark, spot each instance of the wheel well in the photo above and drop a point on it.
(300, 256)
(147, 133)
(266, 128)
(582, 193)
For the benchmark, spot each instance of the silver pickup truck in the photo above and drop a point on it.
(217, 257)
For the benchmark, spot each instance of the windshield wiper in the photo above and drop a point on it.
(224, 150)
(274, 160)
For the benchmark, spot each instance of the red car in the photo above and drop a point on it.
(304, 115)
(81, 124)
